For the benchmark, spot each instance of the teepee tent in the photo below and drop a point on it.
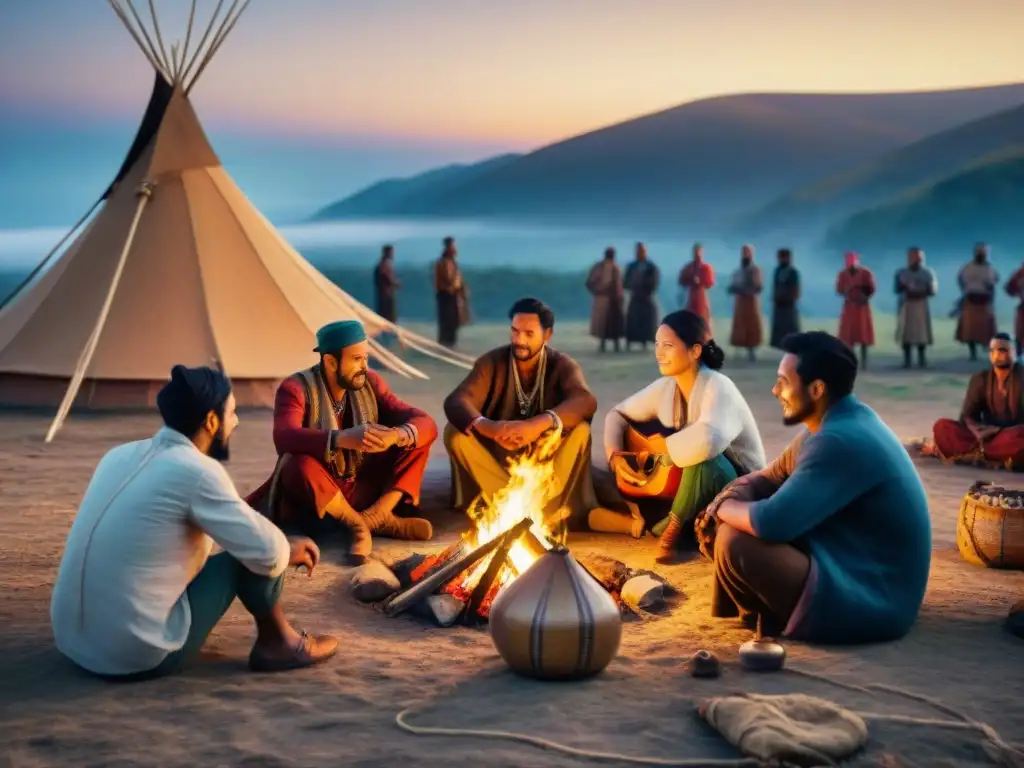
(176, 266)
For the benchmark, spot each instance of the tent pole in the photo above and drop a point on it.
(184, 50)
(31, 275)
(144, 192)
(159, 38)
(149, 41)
(199, 46)
(221, 35)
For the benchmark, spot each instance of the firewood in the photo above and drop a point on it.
(403, 600)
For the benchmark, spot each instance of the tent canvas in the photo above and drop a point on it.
(176, 266)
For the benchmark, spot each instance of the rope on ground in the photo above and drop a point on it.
(565, 749)
(998, 750)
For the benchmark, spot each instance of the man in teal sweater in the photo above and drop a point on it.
(831, 542)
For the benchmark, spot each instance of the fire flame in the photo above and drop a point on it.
(530, 486)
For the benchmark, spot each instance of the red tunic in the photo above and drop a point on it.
(307, 483)
(856, 325)
(697, 277)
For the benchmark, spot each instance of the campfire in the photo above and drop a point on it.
(509, 533)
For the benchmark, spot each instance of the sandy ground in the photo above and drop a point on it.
(343, 713)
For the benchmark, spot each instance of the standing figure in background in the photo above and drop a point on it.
(978, 280)
(697, 278)
(1015, 288)
(746, 285)
(915, 285)
(856, 284)
(642, 315)
(785, 294)
(385, 287)
(606, 316)
(452, 306)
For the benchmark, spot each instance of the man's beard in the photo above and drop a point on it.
(799, 416)
(346, 383)
(1003, 365)
(979, 258)
(219, 448)
(745, 261)
(524, 353)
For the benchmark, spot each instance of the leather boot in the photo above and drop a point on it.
(404, 528)
(604, 520)
(668, 544)
(362, 541)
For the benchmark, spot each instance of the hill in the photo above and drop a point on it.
(981, 202)
(701, 162)
(392, 194)
(915, 166)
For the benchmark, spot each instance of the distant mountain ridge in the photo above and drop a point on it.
(381, 198)
(983, 201)
(911, 167)
(699, 164)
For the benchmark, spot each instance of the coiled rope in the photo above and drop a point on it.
(997, 749)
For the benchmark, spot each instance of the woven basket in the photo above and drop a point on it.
(990, 528)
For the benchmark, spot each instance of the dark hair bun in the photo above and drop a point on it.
(712, 355)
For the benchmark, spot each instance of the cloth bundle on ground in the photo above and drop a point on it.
(790, 729)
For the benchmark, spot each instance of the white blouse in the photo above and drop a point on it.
(717, 419)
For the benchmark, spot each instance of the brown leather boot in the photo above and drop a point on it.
(362, 541)
(668, 544)
(404, 528)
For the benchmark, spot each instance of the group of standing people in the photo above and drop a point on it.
(450, 291)
(612, 318)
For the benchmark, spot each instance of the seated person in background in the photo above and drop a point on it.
(514, 396)
(137, 592)
(831, 542)
(697, 417)
(991, 423)
(350, 452)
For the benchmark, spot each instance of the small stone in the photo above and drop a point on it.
(445, 608)
(643, 593)
(373, 581)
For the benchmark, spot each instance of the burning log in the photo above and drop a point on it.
(420, 591)
(497, 564)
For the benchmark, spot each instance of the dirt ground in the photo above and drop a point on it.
(343, 713)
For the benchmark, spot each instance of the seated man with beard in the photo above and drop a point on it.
(350, 452)
(991, 423)
(831, 542)
(514, 396)
(137, 592)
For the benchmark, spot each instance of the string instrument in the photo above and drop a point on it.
(647, 455)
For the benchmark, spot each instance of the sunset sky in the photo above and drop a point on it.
(500, 73)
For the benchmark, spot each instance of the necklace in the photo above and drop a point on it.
(526, 401)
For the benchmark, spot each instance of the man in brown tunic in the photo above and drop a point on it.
(978, 280)
(515, 395)
(607, 319)
(746, 285)
(452, 296)
(386, 285)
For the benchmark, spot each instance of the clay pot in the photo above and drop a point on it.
(556, 622)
